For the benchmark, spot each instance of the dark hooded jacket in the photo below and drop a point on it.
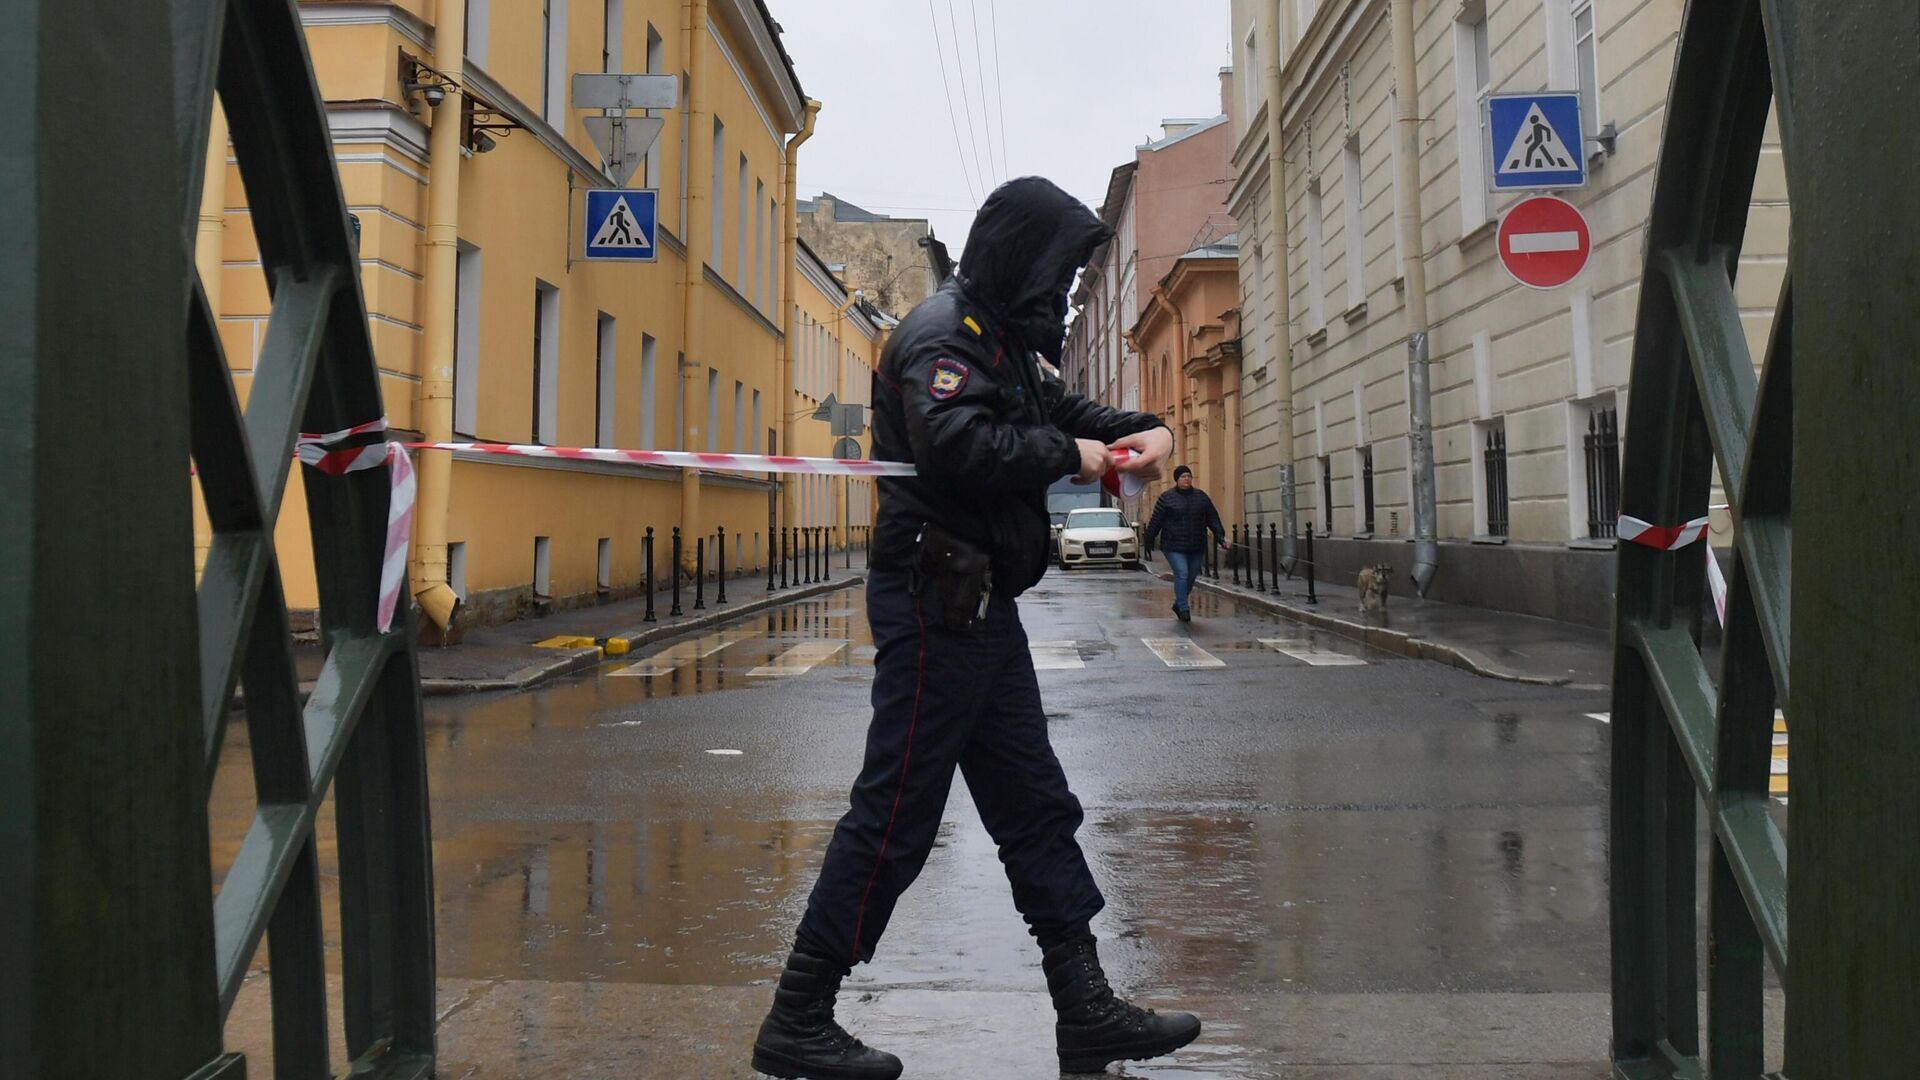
(960, 394)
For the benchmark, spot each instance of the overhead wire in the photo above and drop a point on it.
(999, 85)
(966, 102)
(980, 68)
(940, 55)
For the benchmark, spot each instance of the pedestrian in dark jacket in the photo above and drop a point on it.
(960, 393)
(1181, 520)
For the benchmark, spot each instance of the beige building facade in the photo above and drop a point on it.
(886, 258)
(1528, 386)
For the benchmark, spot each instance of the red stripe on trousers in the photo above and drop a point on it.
(913, 721)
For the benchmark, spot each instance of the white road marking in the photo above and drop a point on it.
(1182, 653)
(1533, 243)
(801, 658)
(726, 753)
(679, 655)
(1056, 656)
(1305, 652)
(1605, 718)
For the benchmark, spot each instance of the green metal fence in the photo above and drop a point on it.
(1685, 736)
(119, 958)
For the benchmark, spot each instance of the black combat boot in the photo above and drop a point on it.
(1095, 1027)
(799, 1038)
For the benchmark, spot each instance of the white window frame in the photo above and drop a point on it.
(1250, 64)
(466, 340)
(1352, 198)
(713, 410)
(1586, 64)
(1316, 259)
(543, 566)
(479, 19)
(1303, 12)
(742, 272)
(717, 252)
(553, 63)
(613, 29)
(546, 427)
(648, 391)
(606, 363)
(1472, 84)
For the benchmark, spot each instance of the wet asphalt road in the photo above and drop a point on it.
(1358, 866)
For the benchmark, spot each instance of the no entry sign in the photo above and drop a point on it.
(1544, 242)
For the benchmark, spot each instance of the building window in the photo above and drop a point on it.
(1356, 260)
(647, 392)
(546, 362)
(611, 28)
(1326, 494)
(656, 57)
(543, 566)
(466, 340)
(1303, 11)
(679, 402)
(478, 12)
(773, 256)
(1316, 260)
(718, 203)
(606, 354)
(739, 418)
(1473, 79)
(553, 62)
(1586, 59)
(742, 272)
(686, 158)
(713, 410)
(457, 569)
(1250, 72)
(756, 422)
(1363, 458)
(760, 245)
(1602, 456)
(604, 572)
(1490, 480)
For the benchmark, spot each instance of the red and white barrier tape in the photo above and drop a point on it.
(323, 453)
(1662, 537)
(686, 459)
(1717, 581)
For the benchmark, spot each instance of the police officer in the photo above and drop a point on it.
(961, 394)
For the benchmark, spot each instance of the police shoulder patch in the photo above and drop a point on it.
(948, 378)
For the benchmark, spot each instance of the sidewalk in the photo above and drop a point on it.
(1495, 644)
(511, 656)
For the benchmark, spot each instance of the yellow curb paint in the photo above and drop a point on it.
(567, 641)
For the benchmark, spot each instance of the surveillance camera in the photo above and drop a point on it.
(434, 95)
(483, 142)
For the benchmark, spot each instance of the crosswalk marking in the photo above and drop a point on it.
(1605, 718)
(1182, 653)
(679, 655)
(1305, 652)
(801, 658)
(1056, 655)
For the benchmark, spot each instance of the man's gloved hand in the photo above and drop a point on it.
(1150, 449)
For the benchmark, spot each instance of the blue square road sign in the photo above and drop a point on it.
(622, 224)
(1537, 141)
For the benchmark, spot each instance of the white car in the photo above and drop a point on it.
(1098, 537)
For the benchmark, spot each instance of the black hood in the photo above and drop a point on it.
(1027, 243)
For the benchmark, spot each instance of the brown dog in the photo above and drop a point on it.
(1373, 588)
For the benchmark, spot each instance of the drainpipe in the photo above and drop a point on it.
(700, 213)
(1426, 546)
(789, 274)
(433, 403)
(1282, 280)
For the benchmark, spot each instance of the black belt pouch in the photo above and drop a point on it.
(960, 574)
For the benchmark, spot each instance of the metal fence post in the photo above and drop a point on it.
(647, 547)
(1273, 555)
(826, 553)
(721, 579)
(675, 610)
(1234, 547)
(699, 573)
(1311, 598)
(1259, 561)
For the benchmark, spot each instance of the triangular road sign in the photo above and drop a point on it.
(1537, 147)
(825, 411)
(621, 229)
(622, 142)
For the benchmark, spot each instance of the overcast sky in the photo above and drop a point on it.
(1081, 83)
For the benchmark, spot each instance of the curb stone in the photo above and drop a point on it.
(1395, 642)
(573, 661)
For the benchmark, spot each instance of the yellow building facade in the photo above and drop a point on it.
(489, 325)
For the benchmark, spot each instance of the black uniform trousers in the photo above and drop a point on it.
(944, 699)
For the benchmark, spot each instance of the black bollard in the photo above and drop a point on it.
(675, 610)
(846, 549)
(647, 546)
(1311, 599)
(1259, 561)
(806, 547)
(1273, 554)
(770, 543)
(869, 532)
(700, 574)
(1234, 550)
(780, 550)
(721, 547)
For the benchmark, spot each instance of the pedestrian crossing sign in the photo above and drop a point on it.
(1536, 141)
(621, 223)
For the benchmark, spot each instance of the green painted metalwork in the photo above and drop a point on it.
(124, 963)
(1681, 737)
